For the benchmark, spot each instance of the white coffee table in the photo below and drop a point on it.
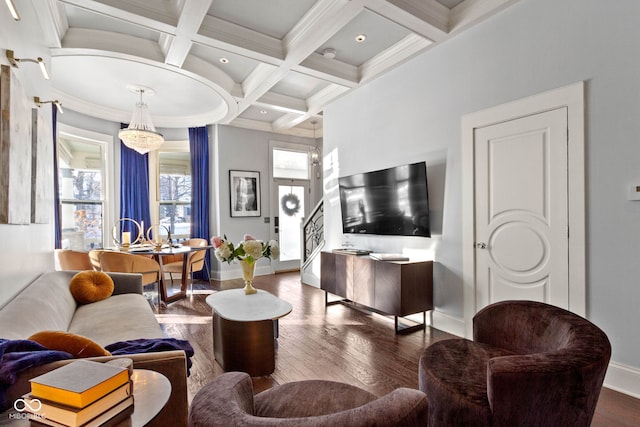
(245, 329)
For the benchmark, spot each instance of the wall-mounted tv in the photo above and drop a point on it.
(392, 201)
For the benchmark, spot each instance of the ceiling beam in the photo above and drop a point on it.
(191, 17)
(154, 15)
(427, 18)
(322, 21)
(470, 12)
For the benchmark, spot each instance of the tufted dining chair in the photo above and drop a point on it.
(529, 364)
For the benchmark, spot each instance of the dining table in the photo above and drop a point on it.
(158, 255)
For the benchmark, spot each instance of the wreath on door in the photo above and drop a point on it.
(290, 204)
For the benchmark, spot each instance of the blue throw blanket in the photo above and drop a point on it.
(151, 345)
(19, 355)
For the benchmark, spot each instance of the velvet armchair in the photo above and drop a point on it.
(229, 401)
(529, 364)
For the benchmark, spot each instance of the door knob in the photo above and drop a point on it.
(481, 245)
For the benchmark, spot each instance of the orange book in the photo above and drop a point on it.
(70, 416)
(79, 383)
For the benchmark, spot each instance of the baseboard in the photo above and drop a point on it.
(623, 378)
(447, 323)
(236, 272)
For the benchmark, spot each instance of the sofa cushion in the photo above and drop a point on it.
(117, 318)
(77, 345)
(46, 304)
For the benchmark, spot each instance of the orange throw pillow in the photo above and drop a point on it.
(78, 345)
(91, 286)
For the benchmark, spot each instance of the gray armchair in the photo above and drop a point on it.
(228, 400)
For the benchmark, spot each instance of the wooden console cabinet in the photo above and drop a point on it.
(397, 288)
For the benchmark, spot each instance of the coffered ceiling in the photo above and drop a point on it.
(270, 65)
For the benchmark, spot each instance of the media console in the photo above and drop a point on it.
(395, 288)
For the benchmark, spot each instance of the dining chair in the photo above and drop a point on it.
(94, 258)
(196, 261)
(111, 261)
(67, 259)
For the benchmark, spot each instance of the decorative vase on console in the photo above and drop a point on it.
(247, 252)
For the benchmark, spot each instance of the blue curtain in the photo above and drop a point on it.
(199, 151)
(134, 188)
(56, 184)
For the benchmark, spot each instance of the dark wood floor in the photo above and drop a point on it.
(333, 343)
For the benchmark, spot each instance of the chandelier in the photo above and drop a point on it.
(314, 152)
(141, 135)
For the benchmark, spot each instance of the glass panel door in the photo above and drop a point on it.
(292, 205)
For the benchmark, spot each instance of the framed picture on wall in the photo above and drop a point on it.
(244, 191)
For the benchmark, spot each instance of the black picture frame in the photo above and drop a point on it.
(244, 193)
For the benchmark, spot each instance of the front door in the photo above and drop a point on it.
(292, 204)
(521, 210)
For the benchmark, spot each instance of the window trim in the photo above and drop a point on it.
(108, 172)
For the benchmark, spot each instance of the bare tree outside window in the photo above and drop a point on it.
(80, 174)
(175, 193)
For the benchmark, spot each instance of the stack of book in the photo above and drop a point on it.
(82, 393)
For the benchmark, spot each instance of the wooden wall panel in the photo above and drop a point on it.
(42, 166)
(15, 150)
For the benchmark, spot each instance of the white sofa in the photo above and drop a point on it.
(47, 304)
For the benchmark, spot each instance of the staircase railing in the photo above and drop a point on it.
(313, 232)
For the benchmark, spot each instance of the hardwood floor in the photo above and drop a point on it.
(333, 343)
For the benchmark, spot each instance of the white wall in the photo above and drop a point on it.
(414, 112)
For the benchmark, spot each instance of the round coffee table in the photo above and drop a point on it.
(245, 329)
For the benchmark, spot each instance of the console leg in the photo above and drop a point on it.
(413, 328)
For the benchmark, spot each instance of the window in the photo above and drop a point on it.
(81, 166)
(290, 164)
(174, 192)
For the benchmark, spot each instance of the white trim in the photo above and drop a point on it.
(623, 378)
(447, 323)
(571, 97)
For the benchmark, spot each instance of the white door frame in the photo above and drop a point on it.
(571, 97)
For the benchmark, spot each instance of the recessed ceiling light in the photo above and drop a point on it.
(224, 60)
(263, 111)
(361, 37)
(329, 53)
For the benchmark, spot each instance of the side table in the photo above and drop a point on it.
(151, 392)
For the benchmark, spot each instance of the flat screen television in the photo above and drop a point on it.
(392, 201)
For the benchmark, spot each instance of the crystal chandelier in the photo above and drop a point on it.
(141, 135)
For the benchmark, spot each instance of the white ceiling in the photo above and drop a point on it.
(276, 78)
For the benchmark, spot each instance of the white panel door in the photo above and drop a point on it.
(521, 210)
